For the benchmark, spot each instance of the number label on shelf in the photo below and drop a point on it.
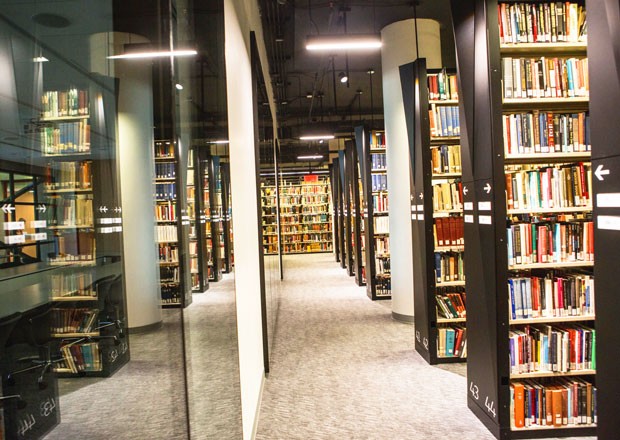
(608, 200)
(425, 342)
(469, 218)
(38, 224)
(420, 216)
(468, 206)
(14, 226)
(473, 389)
(15, 239)
(420, 208)
(485, 219)
(484, 206)
(417, 336)
(490, 404)
(609, 222)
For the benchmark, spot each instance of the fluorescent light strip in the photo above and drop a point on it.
(316, 137)
(296, 173)
(316, 156)
(223, 141)
(158, 54)
(343, 42)
(39, 60)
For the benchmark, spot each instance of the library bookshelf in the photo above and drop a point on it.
(430, 98)
(527, 184)
(372, 153)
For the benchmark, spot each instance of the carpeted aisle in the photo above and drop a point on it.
(341, 368)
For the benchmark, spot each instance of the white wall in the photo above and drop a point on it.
(241, 17)
(398, 49)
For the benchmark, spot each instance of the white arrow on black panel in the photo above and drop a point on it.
(41, 208)
(465, 190)
(487, 188)
(600, 172)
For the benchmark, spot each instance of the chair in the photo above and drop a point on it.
(7, 324)
(33, 329)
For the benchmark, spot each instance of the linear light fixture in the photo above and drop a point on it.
(310, 157)
(296, 173)
(343, 42)
(316, 137)
(39, 60)
(154, 54)
(223, 141)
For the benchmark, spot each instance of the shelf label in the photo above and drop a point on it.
(485, 219)
(38, 236)
(105, 221)
(185, 223)
(413, 217)
(468, 206)
(14, 226)
(413, 208)
(106, 230)
(118, 220)
(608, 200)
(609, 222)
(473, 389)
(38, 224)
(484, 206)
(184, 217)
(420, 208)
(15, 239)
(469, 218)
(420, 216)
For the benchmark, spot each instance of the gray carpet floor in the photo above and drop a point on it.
(341, 368)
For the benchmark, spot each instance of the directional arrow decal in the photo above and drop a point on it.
(465, 190)
(487, 188)
(600, 172)
(7, 208)
(41, 208)
(421, 196)
(103, 209)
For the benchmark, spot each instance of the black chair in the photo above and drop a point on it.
(7, 324)
(33, 329)
(110, 300)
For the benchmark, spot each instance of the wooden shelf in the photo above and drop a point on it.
(549, 210)
(552, 319)
(74, 298)
(68, 190)
(455, 248)
(546, 102)
(75, 335)
(537, 374)
(450, 320)
(440, 214)
(71, 227)
(64, 118)
(551, 428)
(446, 176)
(547, 157)
(445, 139)
(579, 48)
(379, 171)
(560, 265)
(450, 284)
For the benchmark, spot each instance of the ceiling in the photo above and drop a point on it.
(308, 93)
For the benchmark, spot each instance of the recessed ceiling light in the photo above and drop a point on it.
(343, 77)
(179, 86)
(39, 60)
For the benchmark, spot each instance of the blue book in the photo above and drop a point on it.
(444, 122)
(438, 266)
(569, 76)
(450, 333)
(511, 288)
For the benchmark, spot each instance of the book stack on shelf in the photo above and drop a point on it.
(529, 206)
(81, 212)
(381, 225)
(431, 99)
(448, 226)
(167, 234)
(550, 235)
(305, 218)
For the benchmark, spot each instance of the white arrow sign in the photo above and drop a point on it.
(421, 196)
(117, 209)
(7, 208)
(103, 209)
(600, 172)
(41, 208)
(465, 190)
(487, 188)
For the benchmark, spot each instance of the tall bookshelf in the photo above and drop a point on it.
(228, 255)
(338, 211)
(528, 218)
(603, 54)
(81, 215)
(355, 262)
(173, 226)
(371, 149)
(305, 217)
(431, 108)
(210, 171)
(198, 253)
